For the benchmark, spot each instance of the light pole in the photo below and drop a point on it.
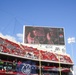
(71, 41)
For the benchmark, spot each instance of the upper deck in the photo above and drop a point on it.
(47, 61)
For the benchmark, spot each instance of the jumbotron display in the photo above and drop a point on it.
(44, 35)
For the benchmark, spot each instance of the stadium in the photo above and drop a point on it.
(43, 52)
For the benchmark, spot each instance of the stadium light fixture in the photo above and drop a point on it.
(71, 41)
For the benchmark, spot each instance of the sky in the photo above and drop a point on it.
(14, 14)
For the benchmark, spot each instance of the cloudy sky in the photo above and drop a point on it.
(14, 14)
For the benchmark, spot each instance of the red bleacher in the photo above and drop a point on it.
(13, 48)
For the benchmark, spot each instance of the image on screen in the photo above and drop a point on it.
(44, 35)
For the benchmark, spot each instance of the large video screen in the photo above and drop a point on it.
(43, 35)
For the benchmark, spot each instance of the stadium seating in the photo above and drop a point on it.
(13, 48)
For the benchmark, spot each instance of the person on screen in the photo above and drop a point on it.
(49, 37)
(36, 36)
(39, 36)
(30, 37)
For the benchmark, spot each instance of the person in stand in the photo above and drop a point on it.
(14, 65)
(18, 66)
(1, 64)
